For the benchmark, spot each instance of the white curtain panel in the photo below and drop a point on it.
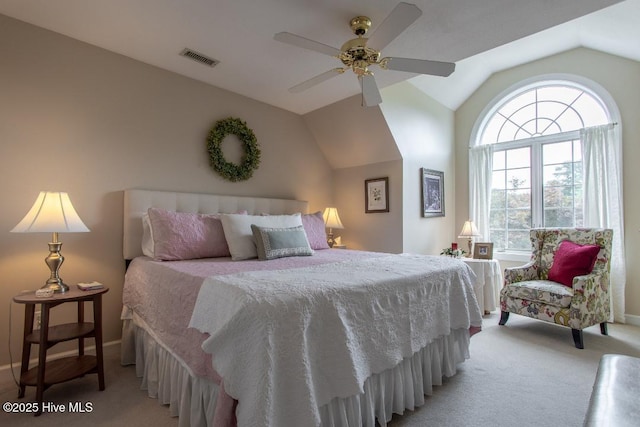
(481, 165)
(603, 206)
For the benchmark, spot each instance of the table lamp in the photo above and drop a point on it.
(331, 221)
(469, 231)
(52, 213)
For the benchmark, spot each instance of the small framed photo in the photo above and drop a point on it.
(432, 193)
(483, 250)
(376, 195)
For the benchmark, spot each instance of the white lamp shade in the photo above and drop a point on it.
(52, 212)
(331, 218)
(469, 230)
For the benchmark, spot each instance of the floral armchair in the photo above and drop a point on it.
(529, 292)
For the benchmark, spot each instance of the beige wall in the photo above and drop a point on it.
(621, 78)
(381, 231)
(350, 135)
(423, 130)
(407, 126)
(359, 145)
(77, 118)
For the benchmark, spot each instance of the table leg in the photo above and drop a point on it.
(80, 320)
(29, 314)
(97, 322)
(42, 357)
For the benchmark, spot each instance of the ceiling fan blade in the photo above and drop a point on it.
(306, 43)
(403, 15)
(316, 80)
(419, 66)
(370, 93)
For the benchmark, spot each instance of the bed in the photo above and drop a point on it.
(333, 338)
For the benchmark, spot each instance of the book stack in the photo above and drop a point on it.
(90, 286)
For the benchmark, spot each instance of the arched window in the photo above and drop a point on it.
(536, 172)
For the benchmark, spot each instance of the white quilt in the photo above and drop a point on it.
(287, 342)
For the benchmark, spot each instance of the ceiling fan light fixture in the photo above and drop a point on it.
(361, 67)
(356, 50)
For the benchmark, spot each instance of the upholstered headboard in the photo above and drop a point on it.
(136, 203)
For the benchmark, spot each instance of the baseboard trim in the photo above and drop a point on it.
(5, 370)
(632, 319)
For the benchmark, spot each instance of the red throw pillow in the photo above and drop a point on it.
(571, 260)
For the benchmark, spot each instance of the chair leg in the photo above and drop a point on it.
(603, 328)
(504, 316)
(577, 338)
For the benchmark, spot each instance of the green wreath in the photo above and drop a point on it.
(250, 158)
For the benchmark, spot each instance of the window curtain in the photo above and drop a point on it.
(480, 175)
(603, 206)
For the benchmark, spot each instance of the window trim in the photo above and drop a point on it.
(512, 256)
(582, 83)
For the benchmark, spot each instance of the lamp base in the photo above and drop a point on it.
(54, 261)
(58, 287)
(330, 240)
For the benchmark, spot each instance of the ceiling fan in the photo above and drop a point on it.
(361, 53)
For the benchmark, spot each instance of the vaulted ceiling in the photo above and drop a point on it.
(480, 36)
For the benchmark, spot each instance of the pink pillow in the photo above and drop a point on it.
(186, 235)
(571, 260)
(314, 227)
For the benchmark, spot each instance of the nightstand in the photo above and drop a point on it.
(56, 371)
(339, 247)
(488, 282)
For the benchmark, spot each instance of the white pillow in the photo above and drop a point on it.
(237, 231)
(148, 248)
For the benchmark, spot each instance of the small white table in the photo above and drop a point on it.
(488, 282)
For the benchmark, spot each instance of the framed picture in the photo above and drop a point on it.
(376, 195)
(432, 193)
(483, 250)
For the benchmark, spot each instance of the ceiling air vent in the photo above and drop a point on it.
(198, 57)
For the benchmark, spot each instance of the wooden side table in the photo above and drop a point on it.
(46, 373)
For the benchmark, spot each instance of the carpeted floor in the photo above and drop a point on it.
(527, 373)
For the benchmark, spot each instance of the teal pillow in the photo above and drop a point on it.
(273, 243)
